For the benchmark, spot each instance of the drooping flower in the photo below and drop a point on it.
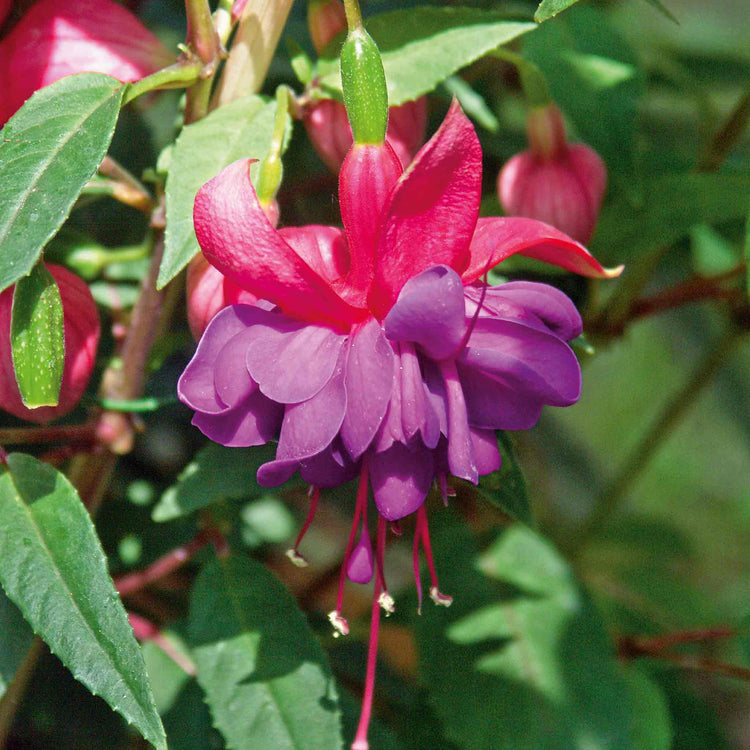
(55, 39)
(383, 356)
(555, 181)
(81, 326)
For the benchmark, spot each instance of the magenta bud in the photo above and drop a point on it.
(360, 567)
(331, 135)
(55, 39)
(326, 19)
(556, 182)
(81, 327)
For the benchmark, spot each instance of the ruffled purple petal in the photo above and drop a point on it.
(528, 360)
(417, 412)
(310, 427)
(493, 405)
(461, 458)
(232, 381)
(518, 300)
(400, 478)
(431, 312)
(196, 386)
(369, 383)
(329, 468)
(292, 361)
(254, 421)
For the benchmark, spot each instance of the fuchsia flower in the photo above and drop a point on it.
(383, 356)
(81, 326)
(54, 39)
(557, 182)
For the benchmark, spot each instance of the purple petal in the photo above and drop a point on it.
(528, 360)
(391, 430)
(435, 392)
(493, 405)
(360, 568)
(401, 478)
(431, 312)
(254, 421)
(369, 382)
(417, 412)
(553, 308)
(461, 458)
(311, 426)
(291, 363)
(196, 386)
(486, 451)
(329, 468)
(232, 381)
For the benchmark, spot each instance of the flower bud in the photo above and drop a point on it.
(331, 135)
(81, 327)
(55, 39)
(556, 182)
(326, 19)
(363, 83)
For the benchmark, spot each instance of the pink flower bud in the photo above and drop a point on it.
(325, 20)
(331, 135)
(556, 182)
(81, 325)
(55, 39)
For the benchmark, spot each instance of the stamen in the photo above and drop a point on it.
(385, 600)
(340, 625)
(359, 508)
(396, 528)
(293, 554)
(475, 317)
(423, 530)
(417, 576)
(360, 739)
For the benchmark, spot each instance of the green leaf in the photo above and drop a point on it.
(216, 473)
(473, 103)
(421, 47)
(522, 638)
(53, 568)
(300, 61)
(265, 675)
(49, 150)
(550, 8)
(594, 78)
(37, 338)
(712, 254)
(652, 728)
(240, 129)
(506, 487)
(672, 204)
(663, 10)
(15, 640)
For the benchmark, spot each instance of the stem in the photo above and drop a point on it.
(254, 43)
(178, 76)
(74, 433)
(353, 14)
(609, 501)
(726, 139)
(360, 740)
(630, 647)
(204, 40)
(700, 664)
(533, 82)
(132, 582)
(122, 186)
(11, 700)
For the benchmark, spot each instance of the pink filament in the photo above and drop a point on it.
(380, 552)
(314, 497)
(423, 532)
(360, 509)
(360, 740)
(417, 577)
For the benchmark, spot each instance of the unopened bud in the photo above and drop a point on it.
(326, 19)
(359, 568)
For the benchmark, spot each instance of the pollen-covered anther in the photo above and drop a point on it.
(296, 558)
(340, 625)
(387, 604)
(441, 600)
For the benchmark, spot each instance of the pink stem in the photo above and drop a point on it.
(417, 576)
(144, 630)
(380, 553)
(423, 531)
(360, 740)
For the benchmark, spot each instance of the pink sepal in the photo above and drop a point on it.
(496, 239)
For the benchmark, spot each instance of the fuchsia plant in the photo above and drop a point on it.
(81, 326)
(55, 39)
(385, 357)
